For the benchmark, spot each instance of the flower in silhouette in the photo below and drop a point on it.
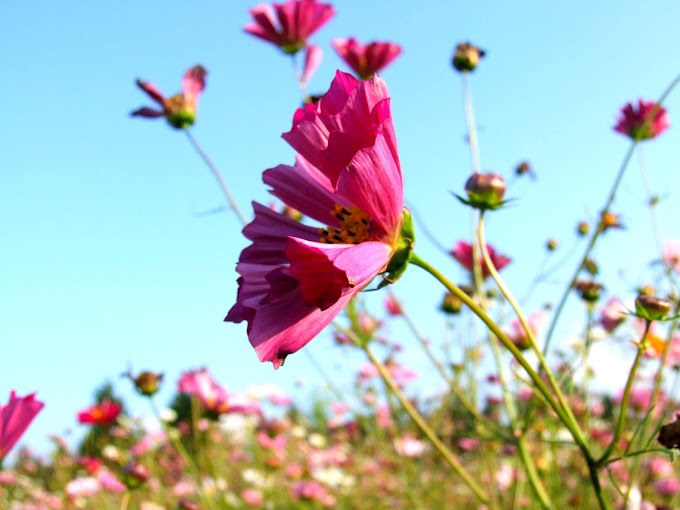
(463, 254)
(295, 278)
(289, 25)
(366, 59)
(646, 121)
(180, 109)
(15, 417)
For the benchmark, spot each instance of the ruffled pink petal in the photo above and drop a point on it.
(148, 113)
(313, 56)
(379, 55)
(305, 188)
(264, 25)
(193, 82)
(152, 91)
(15, 417)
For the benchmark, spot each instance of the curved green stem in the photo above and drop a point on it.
(597, 231)
(624, 403)
(424, 427)
(218, 177)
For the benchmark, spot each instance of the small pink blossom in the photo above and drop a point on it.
(612, 315)
(366, 59)
(109, 481)
(668, 487)
(201, 384)
(180, 109)
(83, 487)
(392, 306)
(15, 417)
(408, 446)
(661, 467)
(646, 121)
(313, 491)
(252, 497)
(671, 254)
(288, 25)
(104, 413)
(384, 416)
(519, 336)
(463, 254)
(294, 278)
(280, 400)
(468, 444)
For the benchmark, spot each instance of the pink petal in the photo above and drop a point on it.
(313, 55)
(193, 82)
(148, 113)
(264, 24)
(306, 189)
(152, 91)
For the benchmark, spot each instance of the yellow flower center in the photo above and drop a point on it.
(353, 227)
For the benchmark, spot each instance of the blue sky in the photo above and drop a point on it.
(109, 259)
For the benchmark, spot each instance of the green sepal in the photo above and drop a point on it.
(482, 205)
(402, 255)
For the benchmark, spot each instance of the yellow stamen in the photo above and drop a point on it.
(353, 227)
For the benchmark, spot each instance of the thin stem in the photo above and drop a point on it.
(525, 325)
(493, 327)
(125, 501)
(597, 231)
(651, 203)
(532, 474)
(624, 403)
(424, 427)
(470, 122)
(216, 173)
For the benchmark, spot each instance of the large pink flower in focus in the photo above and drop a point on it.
(366, 59)
(15, 417)
(297, 20)
(294, 278)
(180, 109)
(463, 254)
(633, 122)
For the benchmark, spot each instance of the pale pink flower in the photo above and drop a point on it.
(280, 400)
(392, 306)
(661, 467)
(518, 335)
(252, 497)
(294, 278)
(612, 315)
(15, 417)
(150, 441)
(384, 416)
(83, 486)
(180, 109)
(505, 476)
(463, 254)
(668, 487)
(313, 491)
(313, 56)
(201, 384)
(671, 254)
(289, 25)
(646, 121)
(109, 481)
(366, 59)
(409, 446)
(468, 444)
(339, 407)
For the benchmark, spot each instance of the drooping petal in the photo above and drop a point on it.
(152, 91)
(306, 189)
(148, 113)
(193, 82)
(313, 56)
(264, 25)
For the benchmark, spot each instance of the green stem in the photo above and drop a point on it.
(651, 205)
(470, 122)
(125, 501)
(597, 231)
(502, 337)
(218, 176)
(624, 403)
(424, 427)
(532, 474)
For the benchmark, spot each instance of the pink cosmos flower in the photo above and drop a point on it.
(646, 121)
(180, 109)
(103, 413)
(463, 254)
(297, 20)
(671, 254)
(294, 278)
(612, 315)
(518, 335)
(409, 446)
(366, 59)
(15, 417)
(393, 306)
(202, 385)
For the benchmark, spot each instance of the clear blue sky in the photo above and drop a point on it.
(107, 258)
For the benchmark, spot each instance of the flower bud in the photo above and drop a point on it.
(451, 304)
(485, 191)
(523, 168)
(609, 220)
(180, 111)
(135, 475)
(652, 308)
(589, 290)
(551, 245)
(466, 57)
(647, 290)
(583, 228)
(591, 267)
(147, 382)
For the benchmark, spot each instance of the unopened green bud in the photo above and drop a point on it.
(652, 308)
(589, 290)
(466, 57)
(485, 191)
(451, 304)
(583, 228)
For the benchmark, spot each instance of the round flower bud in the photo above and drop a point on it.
(451, 304)
(466, 57)
(551, 245)
(147, 382)
(652, 308)
(589, 290)
(583, 229)
(485, 191)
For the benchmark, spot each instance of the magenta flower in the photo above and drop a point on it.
(463, 254)
(366, 59)
(201, 384)
(646, 121)
(103, 413)
(294, 278)
(15, 417)
(180, 109)
(297, 20)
